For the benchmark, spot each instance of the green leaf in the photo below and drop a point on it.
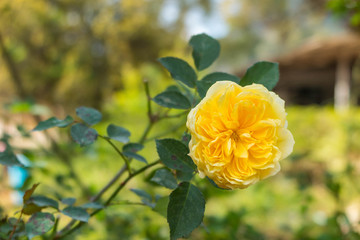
(132, 147)
(164, 178)
(174, 154)
(31, 208)
(39, 223)
(76, 213)
(135, 156)
(206, 82)
(145, 197)
(265, 73)
(68, 201)
(82, 134)
(184, 176)
(185, 138)
(42, 201)
(185, 210)
(89, 115)
(28, 193)
(172, 99)
(54, 122)
(118, 133)
(180, 70)
(7, 156)
(205, 50)
(162, 205)
(92, 205)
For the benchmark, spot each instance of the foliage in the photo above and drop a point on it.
(185, 204)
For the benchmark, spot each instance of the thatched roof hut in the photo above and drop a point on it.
(322, 71)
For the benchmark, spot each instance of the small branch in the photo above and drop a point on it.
(108, 202)
(15, 226)
(112, 181)
(147, 91)
(127, 203)
(146, 132)
(126, 160)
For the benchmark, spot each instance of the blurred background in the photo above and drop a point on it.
(56, 55)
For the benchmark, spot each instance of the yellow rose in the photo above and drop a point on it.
(239, 134)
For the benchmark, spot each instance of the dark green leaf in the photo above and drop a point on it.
(54, 122)
(172, 99)
(82, 134)
(185, 138)
(76, 213)
(23, 131)
(162, 205)
(185, 210)
(135, 156)
(7, 156)
(174, 154)
(31, 208)
(68, 201)
(39, 223)
(145, 197)
(164, 178)
(206, 82)
(184, 176)
(172, 88)
(5, 228)
(118, 133)
(92, 205)
(205, 50)
(90, 115)
(132, 147)
(180, 70)
(42, 201)
(265, 73)
(28, 193)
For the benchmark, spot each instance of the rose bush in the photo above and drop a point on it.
(239, 134)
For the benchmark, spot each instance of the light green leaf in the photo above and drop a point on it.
(206, 82)
(39, 223)
(180, 70)
(164, 178)
(89, 115)
(205, 50)
(54, 122)
(83, 135)
(185, 210)
(76, 213)
(172, 99)
(118, 133)
(174, 154)
(265, 73)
